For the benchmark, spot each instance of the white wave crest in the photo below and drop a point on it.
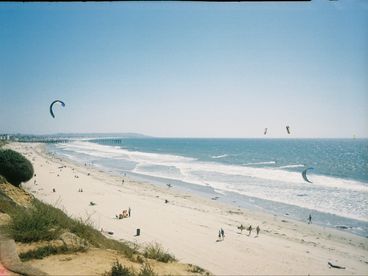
(260, 163)
(292, 166)
(219, 156)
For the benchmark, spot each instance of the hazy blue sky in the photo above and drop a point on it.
(181, 69)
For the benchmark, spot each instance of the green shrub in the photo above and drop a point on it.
(118, 269)
(155, 251)
(146, 270)
(45, 222)
(197, 269)
(47, 250)
(33, 224)
(139, 259)
(15, 167)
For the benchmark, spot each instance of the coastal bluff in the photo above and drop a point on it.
(67, 253)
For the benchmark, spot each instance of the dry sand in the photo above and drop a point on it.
(188, 224)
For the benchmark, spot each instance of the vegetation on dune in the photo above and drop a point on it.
(197, 269)
(47, 250)
(3, 143)
(156, 252)
(146, 270)
(6, 204)
(118, 269)
(35, 224)
(15, 167)
(45, 222)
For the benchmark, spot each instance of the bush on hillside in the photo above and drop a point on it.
(156, 252)
(118, 269)
(34, 224)
(15, 167)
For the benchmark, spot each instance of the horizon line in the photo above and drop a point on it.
(175, 137)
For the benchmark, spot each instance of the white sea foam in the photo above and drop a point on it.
(292, 166)
(219, 156)
(188, 165)
(219, 191)
(260, 163)
(116, 152)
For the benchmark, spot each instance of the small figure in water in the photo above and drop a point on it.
(310, 219)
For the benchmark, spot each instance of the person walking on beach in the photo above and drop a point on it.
(258, 229)
(222, 234)
(250, 229)
(129, 211)
(310, 219)
(219, 235)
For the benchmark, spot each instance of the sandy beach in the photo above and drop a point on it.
(187, 225)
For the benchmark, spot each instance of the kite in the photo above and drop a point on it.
(51, 105)
(288, 129)
(304, 174)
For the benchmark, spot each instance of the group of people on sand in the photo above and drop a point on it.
(124, 214)
(250, 228)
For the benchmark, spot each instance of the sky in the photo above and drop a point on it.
(186, 69)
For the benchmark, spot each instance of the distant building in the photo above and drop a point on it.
(4, 137)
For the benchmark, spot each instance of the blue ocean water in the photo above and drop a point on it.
(254, 173)
(345, 158)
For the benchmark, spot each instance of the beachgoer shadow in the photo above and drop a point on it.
(218, 240)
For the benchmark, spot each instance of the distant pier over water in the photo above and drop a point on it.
(107, 141)
(55, 140)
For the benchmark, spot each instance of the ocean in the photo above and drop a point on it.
(258, 174)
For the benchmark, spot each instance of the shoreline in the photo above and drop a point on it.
(286, 211)
(188, 224)
(290, 198)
